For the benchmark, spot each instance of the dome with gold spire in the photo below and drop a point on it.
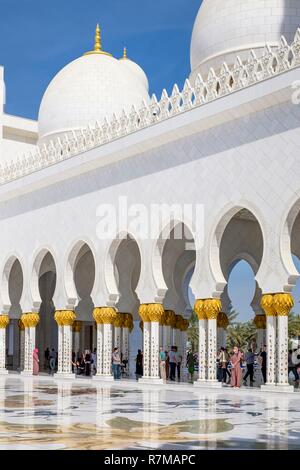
(88, 90)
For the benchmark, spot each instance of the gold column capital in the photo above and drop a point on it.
(170, 318)
(260, 322)
(30, 320)
(199, 309)
(65, 317)
(267, 304)
(283, 302)
(4, 321)
(77, 326)
(222, 320)
(212, 308)
(119, 320)
(151, 312)
(105, 315)
(184, 325)
(21, 325)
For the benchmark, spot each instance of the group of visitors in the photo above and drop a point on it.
(85, 363)
(230, 366)
(169, 364)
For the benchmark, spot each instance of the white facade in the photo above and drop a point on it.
(229, 145)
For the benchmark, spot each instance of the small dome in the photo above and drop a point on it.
(87, 90)
(135, 69)
(225, 29)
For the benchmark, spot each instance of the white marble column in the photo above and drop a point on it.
(282, 304)
(167, 337)
(125, 343)
(117, 337)
(99, 349)
(105, 318)
(30, 321)
(154, 350)
(107, 350)
(4, 321)
(152, 315)
(146, 349)
(76, 336)
(21, 345)
(202, 352)
(271, 350)
(210, 309)
(65, 320)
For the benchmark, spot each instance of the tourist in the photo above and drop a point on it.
(178, 361)
(46, 355)
(52, 361)
(94, 361)
(73, 360)
(263, 356)
(249, 357)
(139, 365)
(227, 370)
(116, 364)
(173, 363)
(190, 363)
(35, 356)
(236, 371)
(223, 363)
(87, 363)
(167, 364)
(162, 364)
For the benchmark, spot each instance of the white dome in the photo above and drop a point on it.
(225, 29)
(136, 70)
(85, 91)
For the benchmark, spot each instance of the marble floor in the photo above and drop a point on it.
(44, 413)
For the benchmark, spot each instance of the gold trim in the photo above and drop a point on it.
(98, 44)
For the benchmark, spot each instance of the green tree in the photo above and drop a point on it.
(294, 325)
(241, 335)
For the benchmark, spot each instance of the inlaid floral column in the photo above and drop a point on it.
(77, 326)
(260, 323)
(127, 327)
(4, 322)
(105, 318)
(222, 324)
(118, 324)
(167, 329)
(202, 349)
(146, 327)
(30, 321)
(282, 305)
(65, 320)
(100, 341)
(154, 313)
(21, 343)
(208, 309)
(267, 304)
(212, 309)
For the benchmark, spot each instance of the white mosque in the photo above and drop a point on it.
(79, 268)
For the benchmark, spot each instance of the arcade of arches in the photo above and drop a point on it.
(127, 323)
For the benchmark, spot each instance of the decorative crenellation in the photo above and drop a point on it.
(272, 62)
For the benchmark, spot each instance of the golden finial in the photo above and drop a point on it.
(98, 45)
(124, 54)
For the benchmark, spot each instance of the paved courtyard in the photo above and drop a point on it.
(43, 413)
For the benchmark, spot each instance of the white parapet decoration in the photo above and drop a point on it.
(229, 80)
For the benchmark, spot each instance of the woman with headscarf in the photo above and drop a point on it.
(236, 370)
(35, 356)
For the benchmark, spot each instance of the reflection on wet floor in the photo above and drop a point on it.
(49, 414)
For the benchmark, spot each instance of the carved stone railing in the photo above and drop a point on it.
(272, 62)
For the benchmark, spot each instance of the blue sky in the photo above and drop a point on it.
(38, 38)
